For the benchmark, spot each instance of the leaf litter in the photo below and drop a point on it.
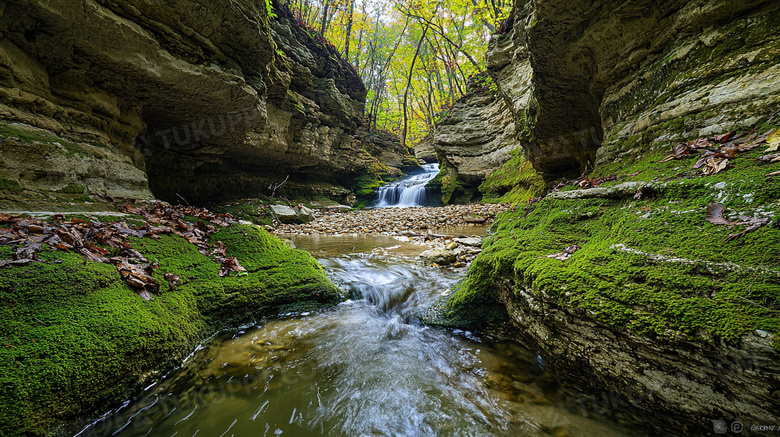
(97, 241)
(715, 216)
(718, 151)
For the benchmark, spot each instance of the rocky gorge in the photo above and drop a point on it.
(108, 103)
(630, 148)
(622, 273)
(144, 100)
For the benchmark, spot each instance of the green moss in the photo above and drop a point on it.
(515, 182)
(366, 185)
(26, 135)
(655, 267)
(75, 339)
(453, 190)
(9, 186)
(31, 136)
(253, 210)
(72, 189)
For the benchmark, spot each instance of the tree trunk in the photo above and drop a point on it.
(409, 83)
(324, 23)
(348, 34)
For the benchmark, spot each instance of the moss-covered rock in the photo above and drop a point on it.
(651, 272)
(515, 182)
(75, 339)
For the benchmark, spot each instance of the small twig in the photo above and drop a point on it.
(182, 198)
(754, 303)
(10, 345)
(274, 187)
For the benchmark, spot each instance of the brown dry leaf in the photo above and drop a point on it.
(774, 157)
(715, 215)
(566, 254)
(136, 276)
(640, 194)
(92, 256)
(219, 249)
(758, 141)
(725, 137)
(230, 264)
(678, 152)
(752, 224)
(715, 165)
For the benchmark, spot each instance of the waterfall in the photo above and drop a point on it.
(410, 191)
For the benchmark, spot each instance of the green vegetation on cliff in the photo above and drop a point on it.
(654, 266)
(75, 338)
(515, 182)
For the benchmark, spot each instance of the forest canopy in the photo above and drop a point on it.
(415, 57)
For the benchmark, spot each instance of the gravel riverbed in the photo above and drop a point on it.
(397, 221)
(429, 227)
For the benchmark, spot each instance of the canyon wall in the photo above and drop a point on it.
(624, 277)
(593, 81)
(183, 99)
(473, 140)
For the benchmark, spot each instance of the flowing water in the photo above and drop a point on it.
(364, 367)
(410, 191)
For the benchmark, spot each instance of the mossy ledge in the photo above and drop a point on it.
(75, 339)
(655, 305)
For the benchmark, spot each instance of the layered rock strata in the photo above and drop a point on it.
(473, 140)
(197, 99)
(635, 290)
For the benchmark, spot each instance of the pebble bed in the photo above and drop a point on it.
(397, 221)
(416, 225)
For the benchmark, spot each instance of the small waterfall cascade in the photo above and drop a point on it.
(410, 191)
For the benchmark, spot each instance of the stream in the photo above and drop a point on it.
(364, 367)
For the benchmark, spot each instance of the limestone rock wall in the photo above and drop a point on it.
(200, 99)
(424, 150)
(386, 149)
(655, 306)
(585, 83)
(474, 140)
(589, 81)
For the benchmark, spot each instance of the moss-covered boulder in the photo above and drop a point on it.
(75, 339)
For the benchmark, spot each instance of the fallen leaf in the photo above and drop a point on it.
(758, 141)
(715, 214)
(725, 137)
(775, 157)
(774, 173)
(94, 257)
(230, 264)
(219, 249)
(774, 142)
(752, 224)
(640, 194)
(566, 254)
(716, 165)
